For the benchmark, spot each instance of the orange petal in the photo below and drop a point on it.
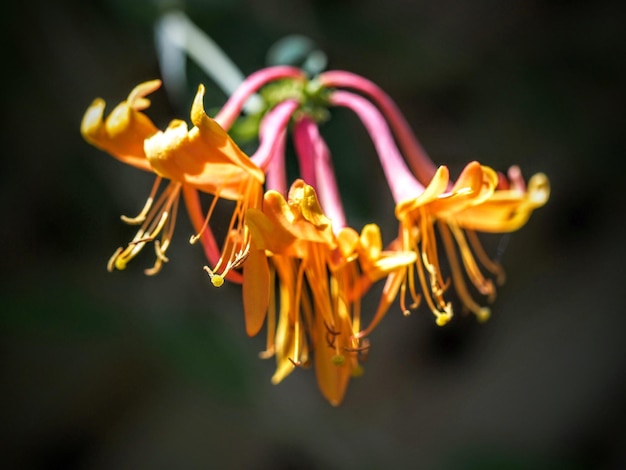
(256, 290)
(435, 188)
(332, 375)
(506, 210)
(122, 133)
(204, 157)
(265, 234)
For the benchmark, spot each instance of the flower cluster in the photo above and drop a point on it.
(303, 270)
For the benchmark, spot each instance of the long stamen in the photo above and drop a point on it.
(356, 304)
(430, 257)
(209, 245)
(297, 333)
(194, 238)
(161, 246)
(270, 348)
(491, 266)
(443, 311)
(484, 286)
(482, 313)
(390, 291)
(159, 220)
(139, 218)
(237, 244)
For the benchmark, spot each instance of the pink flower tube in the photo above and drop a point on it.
(401, 181)
(416, 156)
(232, 108)
(316, 169)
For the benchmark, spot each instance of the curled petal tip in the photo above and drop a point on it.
(92, 120)
(197, 108)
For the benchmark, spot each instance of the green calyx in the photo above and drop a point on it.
(312, 96)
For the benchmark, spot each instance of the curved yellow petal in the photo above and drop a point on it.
(435, 188)
(303, 199)
(123, 132)
(285, 230)
(204, 157)
(506, 210)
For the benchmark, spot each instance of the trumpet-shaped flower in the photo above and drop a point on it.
(203, 159)
(122, 134)
(478, 200)
(318, 286)
(206, 159)
(304, 270)
(298, 238)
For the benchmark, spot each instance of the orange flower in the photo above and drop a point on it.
(122, 134)
(505, 210)
(203, 158)
(426, 198)
(472, 203)
(318, 287)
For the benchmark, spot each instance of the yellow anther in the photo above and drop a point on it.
(120, 263)
(217, 280)
(338, 359)
(357, 371)
(483, 314)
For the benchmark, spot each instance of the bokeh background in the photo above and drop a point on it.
(102, 371)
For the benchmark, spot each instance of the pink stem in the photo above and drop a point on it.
(232, 108)
(416, 156)
(401, 181)
(317, 169)
(305, 142)
(275, 175)
(272, 126)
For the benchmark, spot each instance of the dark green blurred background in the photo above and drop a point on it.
(122, 370)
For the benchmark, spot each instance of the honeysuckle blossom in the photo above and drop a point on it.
(203, 158)
(123, 134)
(318, 274)
(473, 202)
(303, 269)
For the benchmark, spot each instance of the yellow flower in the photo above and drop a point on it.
(203, 158)
(505, 210)
(472, 203)
(122, 134)
(318, 287)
